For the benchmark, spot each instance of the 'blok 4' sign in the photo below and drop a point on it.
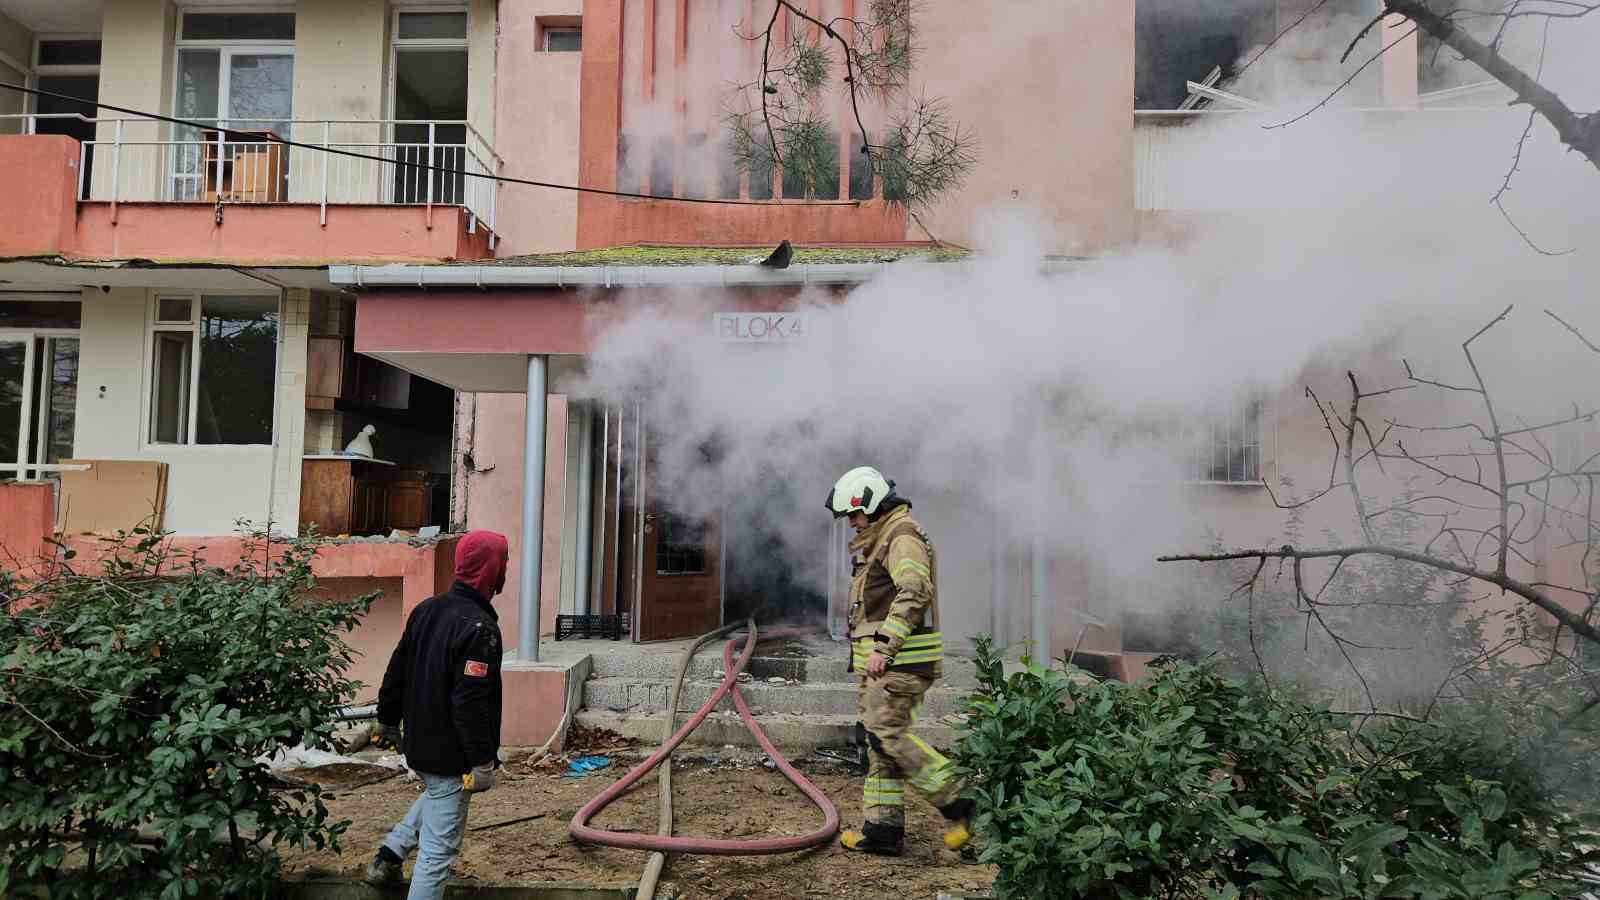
(760, 328)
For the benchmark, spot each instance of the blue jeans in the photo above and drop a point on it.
(434, 828)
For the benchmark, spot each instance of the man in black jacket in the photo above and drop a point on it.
(443, 682)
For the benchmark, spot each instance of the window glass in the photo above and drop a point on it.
(1228, 448)
(69, 53)
(13, 355)
(169, 414)
(563, 40)
(61, 399)
(238, 356)
(680, 546)
(238, 26)
(432, 26)
(40, 314)
(174, 309)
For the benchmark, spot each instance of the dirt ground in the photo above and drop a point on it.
(719, 795)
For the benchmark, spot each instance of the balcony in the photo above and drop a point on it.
(382, 190)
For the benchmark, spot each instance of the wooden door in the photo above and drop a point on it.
(682, 595)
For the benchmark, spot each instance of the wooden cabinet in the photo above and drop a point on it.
(345, 495)
(334, 374)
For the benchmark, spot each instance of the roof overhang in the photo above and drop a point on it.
(601, 276)
(57, 274)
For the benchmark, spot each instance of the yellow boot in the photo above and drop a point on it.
(959, 830)
(883, 840)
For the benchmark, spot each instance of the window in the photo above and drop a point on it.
(563, 40)
(69, 66)
(1178, 41)
(38, 381)
(1226, 446)
(680, 546)
(212, 375)
(235, 70)
(429, 101)
(218, 26)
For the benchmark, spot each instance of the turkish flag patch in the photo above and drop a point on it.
(477, 669)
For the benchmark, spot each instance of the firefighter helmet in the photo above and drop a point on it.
(862, 489)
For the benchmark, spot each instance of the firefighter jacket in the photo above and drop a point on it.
(894, 604)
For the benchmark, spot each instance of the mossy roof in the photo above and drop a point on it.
(671, 255)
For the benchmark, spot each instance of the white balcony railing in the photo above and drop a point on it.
(398, 162)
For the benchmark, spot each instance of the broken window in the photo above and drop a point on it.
(1178, 41)
(213, 376)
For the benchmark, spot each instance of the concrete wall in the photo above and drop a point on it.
(136, 62)
(340, 72)
(16, 43)
(208, 488)
(482, 33)
(536, 123)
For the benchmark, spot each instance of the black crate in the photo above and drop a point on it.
(611, 627)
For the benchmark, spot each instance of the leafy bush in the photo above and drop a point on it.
(135, 705)
(1191, 784)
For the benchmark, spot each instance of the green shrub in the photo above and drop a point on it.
(1191, 784)
(135, 704)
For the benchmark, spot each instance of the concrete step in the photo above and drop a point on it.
(626, 661)
(623, 694)
(794, 735)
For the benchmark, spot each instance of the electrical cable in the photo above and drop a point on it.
(444, 170)
(581, 830)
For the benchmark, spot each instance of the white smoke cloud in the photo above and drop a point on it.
(1009, 403)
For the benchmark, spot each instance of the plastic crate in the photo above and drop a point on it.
(610, 627)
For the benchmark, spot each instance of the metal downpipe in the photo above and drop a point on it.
(532, 545)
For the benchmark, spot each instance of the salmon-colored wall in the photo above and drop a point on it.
(39, 181)
(375, 638)
(282, 233)
(494, 492)
(27, 520)
(1054, 140)
(536, 129)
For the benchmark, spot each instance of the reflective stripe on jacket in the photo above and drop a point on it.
(894, 597)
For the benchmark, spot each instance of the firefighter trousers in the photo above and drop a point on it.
(895, 757)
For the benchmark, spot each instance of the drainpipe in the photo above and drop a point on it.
(585, 536)
(532, 513)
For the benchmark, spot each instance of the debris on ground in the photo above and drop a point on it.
(733, 797)
(587, 765)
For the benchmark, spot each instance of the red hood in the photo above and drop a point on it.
(481, 561)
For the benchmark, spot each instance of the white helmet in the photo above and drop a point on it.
(862, 489)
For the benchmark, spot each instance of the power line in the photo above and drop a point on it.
(255, 138)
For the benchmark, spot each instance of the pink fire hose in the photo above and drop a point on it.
(580, 829)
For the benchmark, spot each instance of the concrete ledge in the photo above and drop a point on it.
(534, 697)
(349, 889)
(794, 735)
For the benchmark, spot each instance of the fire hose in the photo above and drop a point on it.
(582, 831)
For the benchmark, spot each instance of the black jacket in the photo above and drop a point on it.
(444, 681)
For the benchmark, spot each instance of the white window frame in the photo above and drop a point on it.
(1199, 447)
(192, 327)
(30, 427)
(38, 70)
(546, 31)
(397, 44)
(264, 8)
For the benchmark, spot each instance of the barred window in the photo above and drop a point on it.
(1226, 445)
(680, 546)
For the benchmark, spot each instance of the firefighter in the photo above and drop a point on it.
(897, 651)
(443, 684)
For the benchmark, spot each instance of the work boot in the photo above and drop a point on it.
(884, 840)
(959, 830)
(384, 870)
